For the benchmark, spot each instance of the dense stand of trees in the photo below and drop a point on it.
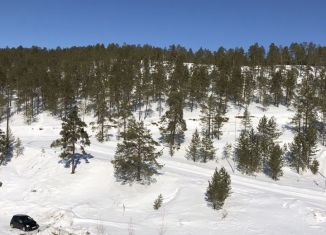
(113, 81)
(118, 79)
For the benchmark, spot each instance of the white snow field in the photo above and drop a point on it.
(92, 202)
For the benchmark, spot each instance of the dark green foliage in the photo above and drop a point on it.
(305, 116)
(207, 150)
(199, 83)
(193, 151)
(200, 149)
(73, 133)
(158, 202)
(212, 117)
(173, 125)
(7, 141)
(248, 157)
(302, 149)
(274, 55)
(246, 119)
(275, 162)
(276, 87)
(268, 133)
(290, 84)
(111, 82)
(3, 147)
(314, 166)
(219, 188)
(136, 157)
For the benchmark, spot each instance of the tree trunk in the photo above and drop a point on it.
(73, 164)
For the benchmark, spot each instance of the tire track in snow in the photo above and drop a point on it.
(250, 183)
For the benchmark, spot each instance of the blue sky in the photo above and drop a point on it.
(191, 23)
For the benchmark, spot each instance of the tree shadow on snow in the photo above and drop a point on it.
(77, 158)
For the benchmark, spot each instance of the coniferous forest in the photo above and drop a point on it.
(113, 82)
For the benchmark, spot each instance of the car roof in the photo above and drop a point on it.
(20, 215)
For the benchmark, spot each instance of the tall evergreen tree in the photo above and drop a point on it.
(275, 162)
(246, 119)
(248, 155)
(3, 148)
(173, 125)
(73, 133)
(219, 188)
(290, 85)
(302, 149)
(193, 151)
(207, 150)
(212, 117)
(136, 157)
(276, 87)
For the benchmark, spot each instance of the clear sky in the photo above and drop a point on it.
(191, 23)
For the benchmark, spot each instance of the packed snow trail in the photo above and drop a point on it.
(92, 201)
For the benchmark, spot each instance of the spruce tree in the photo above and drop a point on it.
(3, 147)
(219, 188)
(193, 151)
(275, 162)
(248, 155)
(276, 87)
(172, 123)
(207, 150)
(268, 133)
(290, 84)
(246, 120)
(135, 158)
(73, 134)
(264, 138)
(314, 166)
(207, 114)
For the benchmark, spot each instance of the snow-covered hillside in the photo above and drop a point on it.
(92, 202)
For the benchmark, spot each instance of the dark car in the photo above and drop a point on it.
(23, 222)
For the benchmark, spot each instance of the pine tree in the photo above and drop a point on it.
(264, 138)
(173, 125)
(248, 155)
(246, 120)
(268, 133)
(290, 84)
(198, 85)
(297, 152)
(18, 148)
(272, 131)
(276, 87)
(314, 166)
(3, 148)
(73, 133)
(207, 114)
(135, 158)
(275, 162)
(219, 188)
(193, 151)
(207, 150)
(158, 202)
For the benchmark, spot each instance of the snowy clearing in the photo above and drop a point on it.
(92, 202)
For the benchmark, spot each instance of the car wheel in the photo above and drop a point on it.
(24, 229)
(11, 225)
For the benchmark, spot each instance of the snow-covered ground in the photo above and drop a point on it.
(92, 202)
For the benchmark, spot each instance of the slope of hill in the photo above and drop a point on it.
(92, 202)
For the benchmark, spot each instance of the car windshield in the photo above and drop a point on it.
(26, 219)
